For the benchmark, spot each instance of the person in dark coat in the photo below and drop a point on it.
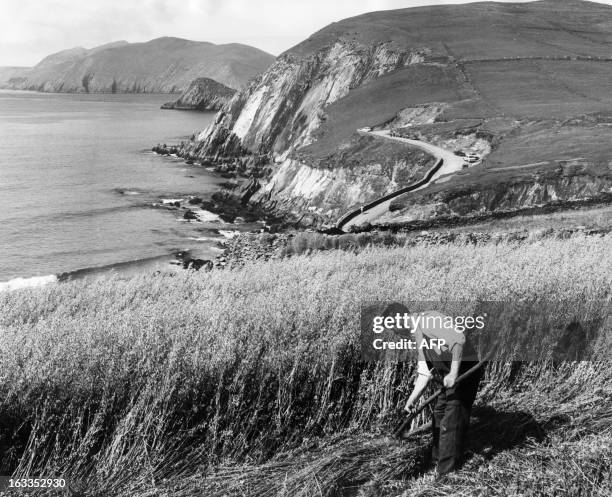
(444, 364)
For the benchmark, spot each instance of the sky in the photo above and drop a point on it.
(33, 29)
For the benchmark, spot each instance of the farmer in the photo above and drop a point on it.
(444, 364)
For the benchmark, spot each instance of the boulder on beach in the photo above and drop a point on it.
(190, 215)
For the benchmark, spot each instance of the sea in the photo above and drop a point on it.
(81, 191)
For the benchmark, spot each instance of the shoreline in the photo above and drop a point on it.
(251, 247)
(230, 201)
(237, 219)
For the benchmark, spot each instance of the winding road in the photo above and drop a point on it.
(447, 163)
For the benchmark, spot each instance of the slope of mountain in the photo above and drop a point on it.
(202, 94)
(163, 65)
(502, 67)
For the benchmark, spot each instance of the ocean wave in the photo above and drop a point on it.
(127, 191)
(212, 241)
(229, 234)
(202, 238)
(33, 282)
(115, 266)
(205, 215)
(100, 211)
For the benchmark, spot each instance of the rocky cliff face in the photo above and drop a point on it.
(565, 184)
(202, 94)
(282, 109)
(315, 195)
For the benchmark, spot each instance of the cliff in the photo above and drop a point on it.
(281, 111)
(493, 62)
(202, 94)
(564, 184)
(163, 65)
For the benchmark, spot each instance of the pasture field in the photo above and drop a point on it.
(249, 382)
(380, 100)
(361, 151)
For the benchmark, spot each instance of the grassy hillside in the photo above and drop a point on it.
(480, 30)
(142, 386)
(163, 65)
(379, 101)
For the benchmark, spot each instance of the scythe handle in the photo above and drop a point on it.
(434, 396)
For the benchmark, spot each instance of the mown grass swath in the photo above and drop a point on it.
(125, 385)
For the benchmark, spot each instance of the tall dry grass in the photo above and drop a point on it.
(120, 385)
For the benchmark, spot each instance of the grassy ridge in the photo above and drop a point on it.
(120, 384)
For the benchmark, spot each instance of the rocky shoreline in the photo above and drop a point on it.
(233, 199)
(231, 205)
(281, 237)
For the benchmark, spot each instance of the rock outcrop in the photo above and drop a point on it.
(202, 94)
(163, 65)
(563, 185)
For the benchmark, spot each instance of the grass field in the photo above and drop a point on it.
(141, 386)
(542, 89)
(513, 99)
(379, 101)
(592, 218)
(480, 30)
(362, 151)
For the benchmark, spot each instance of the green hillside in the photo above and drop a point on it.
(482, 30)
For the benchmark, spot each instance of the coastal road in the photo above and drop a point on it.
(447, 163)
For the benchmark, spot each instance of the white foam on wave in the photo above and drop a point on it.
(19, 283)
(201, 238)
(171, 200)
(205, 215)
(207, 239)
(229, 234)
